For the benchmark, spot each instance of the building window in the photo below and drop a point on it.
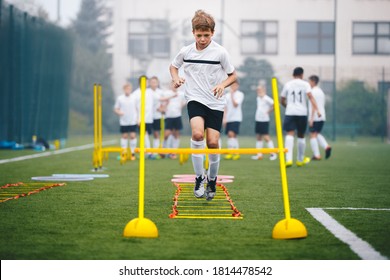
(259, 37)
(149, 38)
(314, 37)
(371, 38)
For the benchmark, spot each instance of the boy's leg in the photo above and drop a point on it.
(197, 142)
(314, 146)
(214, 159)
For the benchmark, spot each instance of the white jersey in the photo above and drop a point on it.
(148, 105)
(295, 92)
(319, 96)
(234, 114)
(156, 102)
(175, 104)
(203, 71)
(264, 104)
(128, 105)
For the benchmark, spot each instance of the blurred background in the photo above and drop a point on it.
(53, 51)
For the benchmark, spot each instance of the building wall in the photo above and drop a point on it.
(369, 68)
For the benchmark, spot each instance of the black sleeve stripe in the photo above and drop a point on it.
(201, 61)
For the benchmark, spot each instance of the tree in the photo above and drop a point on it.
(357, 105)
(251, 72)
(92, 63)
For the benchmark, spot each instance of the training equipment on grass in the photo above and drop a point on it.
(81, 175)
(287, 228)
(187, 206)
(141, 226)
(192, 180)
(58, 178)
(18, 190)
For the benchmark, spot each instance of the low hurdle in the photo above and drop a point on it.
(287, 228)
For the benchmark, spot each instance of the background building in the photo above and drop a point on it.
(348, 39)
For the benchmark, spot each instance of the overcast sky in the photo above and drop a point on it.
(68, 9)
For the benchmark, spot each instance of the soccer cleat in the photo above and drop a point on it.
(305, 161)
(132, 157)
(236, 157)
(328, 151)
(289, 163)
(229, 156)
(257, 157)
(315, 158)
(211, 188)
(273, 157)
(199, 186)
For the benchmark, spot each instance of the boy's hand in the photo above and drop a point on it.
(178, 82)
(218, 91)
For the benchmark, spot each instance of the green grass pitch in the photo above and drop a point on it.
(85, 220)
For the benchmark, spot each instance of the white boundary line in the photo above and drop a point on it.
(363, 249)
(57, 152)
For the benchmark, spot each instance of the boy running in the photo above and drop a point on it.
(208, 71)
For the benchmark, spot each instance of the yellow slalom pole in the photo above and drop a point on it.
(246, 151)
(141, 227)
(95, 129)
(287, 228)
(100, 140)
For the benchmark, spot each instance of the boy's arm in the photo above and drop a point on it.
(218, 89)
(176, 80)
(313, 104)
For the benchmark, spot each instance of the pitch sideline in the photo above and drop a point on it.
(57, 152)
(363, 249)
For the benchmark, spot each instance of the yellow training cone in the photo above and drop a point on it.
(289, 229)
(140, 227)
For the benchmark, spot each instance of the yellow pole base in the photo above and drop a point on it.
(141, 227)
(289, 229)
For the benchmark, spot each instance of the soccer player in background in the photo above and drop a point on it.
(294, 98)
(126, 108)
(173, 121)
(158, 108)
(233, 118)
(265, 105)
(316, 123)
(208, 71)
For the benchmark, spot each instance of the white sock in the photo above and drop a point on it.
(133, 145)
(230, 143)
(301, 149)
(147, 141)
(236, 144)
(124, 143)
(270, 144)
(197, 159)
(259, 145)
(175, 142)
(290, 146)
(314, 147)
(156, 143)
(213, 166)
(322, 141)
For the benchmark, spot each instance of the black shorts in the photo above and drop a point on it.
(157, 124)
(233, 126)
(212, 118)
(173, 123)
(128, 128)
(317, 127)
(262, 128)
(149, 128)
(298, 123)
